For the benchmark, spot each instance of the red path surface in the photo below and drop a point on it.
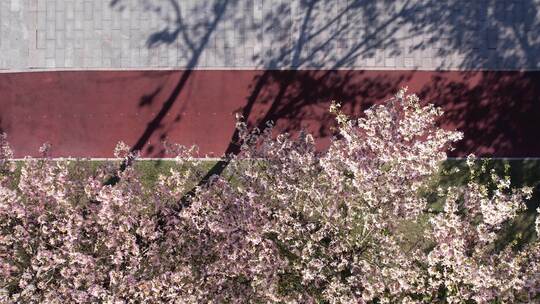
(84, 114)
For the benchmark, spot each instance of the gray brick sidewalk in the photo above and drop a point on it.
(247, 34)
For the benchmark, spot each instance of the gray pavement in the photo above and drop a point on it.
(255, 34)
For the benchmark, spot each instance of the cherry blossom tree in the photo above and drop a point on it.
(284, 224)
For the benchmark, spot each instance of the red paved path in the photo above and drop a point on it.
(86, 113)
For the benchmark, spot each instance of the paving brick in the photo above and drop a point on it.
(88, 11)
(98, 19)
(70, 10)
(50, 63)
(60, 20)
(60, 58)
(51, 30)
(79, 39)
(69, 56)
(37, 59)
(79, 20)
(41, 5)
(41, 19)
(50, 49)
(51, 10)
(70, 29)
(60, 40)
(60, 6)
(41, 38)
(107, 63)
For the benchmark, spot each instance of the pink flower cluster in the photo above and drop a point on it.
(284, 223)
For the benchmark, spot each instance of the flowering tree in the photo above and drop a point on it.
(284, 224)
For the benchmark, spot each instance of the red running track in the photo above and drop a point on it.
(85, 113)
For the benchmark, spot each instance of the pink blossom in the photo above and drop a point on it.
(284, 223)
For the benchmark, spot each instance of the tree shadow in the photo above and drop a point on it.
(308, 50)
